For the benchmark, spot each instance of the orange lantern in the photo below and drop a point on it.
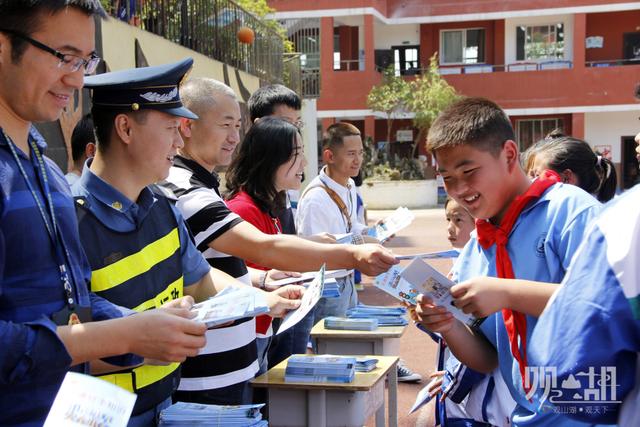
(246, 35)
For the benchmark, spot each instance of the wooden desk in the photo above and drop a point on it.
(383, 341)
(332, 404)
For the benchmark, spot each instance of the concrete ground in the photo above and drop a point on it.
(427, 233)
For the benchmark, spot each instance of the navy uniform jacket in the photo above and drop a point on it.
(33, 360)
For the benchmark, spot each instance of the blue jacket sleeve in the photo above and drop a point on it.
(459, 379)
(587, 335)
(29, 350)
(101, 309)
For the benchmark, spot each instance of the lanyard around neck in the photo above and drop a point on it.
(50, 219)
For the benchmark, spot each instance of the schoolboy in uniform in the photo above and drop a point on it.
(140, 251)
(43, 270)
(221, 373)
(524, 231)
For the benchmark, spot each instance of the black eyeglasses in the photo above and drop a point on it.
(68, 62)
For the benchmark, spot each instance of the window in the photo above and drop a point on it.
(336, 52)
(540, 42)
(406, 59)
(462, 46)
(532, 131)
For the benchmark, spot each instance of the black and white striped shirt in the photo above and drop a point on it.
(230, 355)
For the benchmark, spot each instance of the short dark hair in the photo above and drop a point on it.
(82, 135)
(596, 174)
(478, 122)
(104, 122)
(26, 17)
(335, 134)
(268, 144)
(264, 100)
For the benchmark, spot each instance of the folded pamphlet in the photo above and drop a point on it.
(231, 304)
(453, 253)
(399, 219)
(310, 298)
(420, 278)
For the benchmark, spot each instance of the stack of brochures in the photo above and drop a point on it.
(386, 316)
(345, 323)
(320, 369)
(230, 304)
(366, 364)
(191, 414)
(331, 289)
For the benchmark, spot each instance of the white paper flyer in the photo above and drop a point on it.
(86, 401)
(310, 298)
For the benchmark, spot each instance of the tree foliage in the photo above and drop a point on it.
(389, 97)
(429, 94)
(425, 97)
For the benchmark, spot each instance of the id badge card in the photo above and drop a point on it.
(66, 316)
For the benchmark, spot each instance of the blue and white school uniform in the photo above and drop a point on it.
(541, 245)
(593, 320)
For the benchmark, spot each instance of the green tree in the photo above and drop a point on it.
(389, 97)
(428, 95)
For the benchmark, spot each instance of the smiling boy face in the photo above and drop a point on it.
(477, 179)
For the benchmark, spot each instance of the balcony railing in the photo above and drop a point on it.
(348, 65)
(514, 67)
(210, 27)
(613, 62)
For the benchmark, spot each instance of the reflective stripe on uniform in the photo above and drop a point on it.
(135, 264)
(144, 376)
(173, 291)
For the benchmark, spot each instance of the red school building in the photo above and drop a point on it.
(572, 64)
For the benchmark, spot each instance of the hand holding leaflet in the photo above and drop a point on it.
(309, 276)
(420, 278)
(230, 304)
(310, 298)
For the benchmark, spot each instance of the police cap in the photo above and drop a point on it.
(146, 88)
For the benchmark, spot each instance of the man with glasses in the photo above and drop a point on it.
(43, 270)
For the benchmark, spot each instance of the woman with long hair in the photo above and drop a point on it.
(269, 161)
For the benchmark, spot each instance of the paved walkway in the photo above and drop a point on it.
(427, 233)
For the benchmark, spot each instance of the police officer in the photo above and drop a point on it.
(139, 248)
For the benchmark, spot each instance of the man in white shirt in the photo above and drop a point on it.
(83, 146)
(329, 204)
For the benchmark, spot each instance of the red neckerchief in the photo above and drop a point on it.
(488, 234)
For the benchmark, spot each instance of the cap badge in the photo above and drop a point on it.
(156, 97)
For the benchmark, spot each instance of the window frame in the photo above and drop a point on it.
(464, 42)
(559, 123)
(546, 58)
(401, 49)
